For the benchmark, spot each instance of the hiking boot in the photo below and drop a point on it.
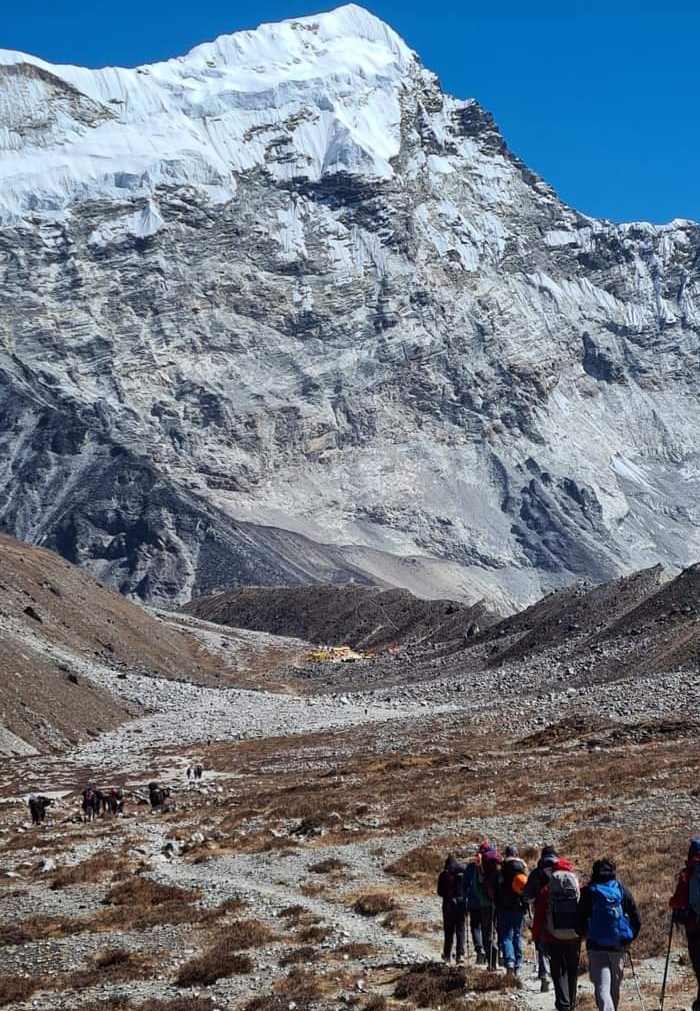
(544, 985)
(481, 958)
(459, 960)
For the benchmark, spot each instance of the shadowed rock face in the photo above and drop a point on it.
(262, 364)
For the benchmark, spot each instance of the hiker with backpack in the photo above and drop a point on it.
(510, 910)
(609, 920)
(685, 905)
(489, 876)
(554, 925)
(475, 898)
(451, 887)
(536, 881)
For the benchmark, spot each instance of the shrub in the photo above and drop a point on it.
(431, 985)
(114, 965)
(223, 958)
(94, 869)
(296, 956)
(328, 866)
(315, 934)
(421, 860)
(14, 989)
(374, 903)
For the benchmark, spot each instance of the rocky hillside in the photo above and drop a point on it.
(281, 311)
(361, 616)
(62, 638)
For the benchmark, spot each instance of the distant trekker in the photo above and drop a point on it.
(92, 803)
(452, 889)
(609, 920)
(685, 903)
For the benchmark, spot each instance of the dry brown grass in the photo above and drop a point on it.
(374, 903)
(39, 928)
(376, 1003)
(119, 1003)
(422, 861)
(217, 963)
(112, 965)
(431, 985)
(331, 865)
(301, 988)
(144, 892)
(315, 934)
(297, 956)
(223, 957)
(292, 914)
(402, 924)
(94, 869)
(140, 903)
(16, 989)
(435, 985)
(355, 949)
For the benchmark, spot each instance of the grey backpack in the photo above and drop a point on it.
(562, 904)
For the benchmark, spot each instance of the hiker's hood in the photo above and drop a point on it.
(694, 850)
(603, 871)
(451, 864)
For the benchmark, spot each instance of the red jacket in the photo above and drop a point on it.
(681, 897)
(540, 934)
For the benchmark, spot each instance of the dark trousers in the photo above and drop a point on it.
(475, 928)
(694, 955)
(489, 934)
(564, 957)
(454, 921)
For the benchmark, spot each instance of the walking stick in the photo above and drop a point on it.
(636, 980)
(668, 959)
(492, 967)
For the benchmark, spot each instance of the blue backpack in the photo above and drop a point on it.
(608, 925)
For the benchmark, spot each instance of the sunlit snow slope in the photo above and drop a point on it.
(282, 311)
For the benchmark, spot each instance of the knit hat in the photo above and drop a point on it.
(604, 870)
(694, 849)
(511, 851)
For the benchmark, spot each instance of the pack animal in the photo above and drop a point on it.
(37, 808)
(157, 795)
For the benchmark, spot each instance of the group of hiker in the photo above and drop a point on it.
(96, 803)
(492, 895)
(195, 772)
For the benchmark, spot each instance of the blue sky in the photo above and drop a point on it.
(602, 99)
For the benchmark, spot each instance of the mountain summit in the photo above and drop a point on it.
(282, 311)
(330, 84)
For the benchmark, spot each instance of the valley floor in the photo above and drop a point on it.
(301, 870)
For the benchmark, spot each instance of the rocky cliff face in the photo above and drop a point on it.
(281, 311)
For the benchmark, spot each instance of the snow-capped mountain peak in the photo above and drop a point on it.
(321, 92)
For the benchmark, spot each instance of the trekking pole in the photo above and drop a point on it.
(668, 959)
(493, 962)
(636, 980)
